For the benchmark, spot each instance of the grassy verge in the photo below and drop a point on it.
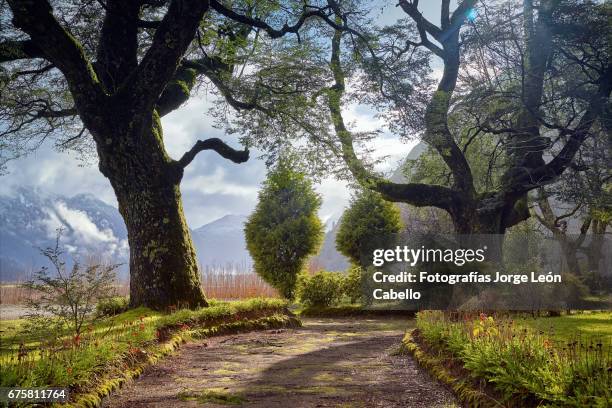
(118, 348)
(492, 361)
(570, 327)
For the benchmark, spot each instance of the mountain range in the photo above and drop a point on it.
(29, 219)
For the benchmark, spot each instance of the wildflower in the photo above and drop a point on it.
(483, 317)
(547, 343)
(142, 326)
(69, 370)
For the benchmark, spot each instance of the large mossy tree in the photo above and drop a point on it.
(533, 77)
(106, 72)
(528, 80)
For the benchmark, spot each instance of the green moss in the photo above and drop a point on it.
(215, 396)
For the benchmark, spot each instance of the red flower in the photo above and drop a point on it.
(483, 316)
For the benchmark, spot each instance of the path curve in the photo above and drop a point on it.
(326, 363)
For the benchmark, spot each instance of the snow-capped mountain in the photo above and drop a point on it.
(29, 220)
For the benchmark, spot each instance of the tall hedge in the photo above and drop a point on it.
(284, 229)
(367, 222)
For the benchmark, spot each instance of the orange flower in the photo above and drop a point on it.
(483, 316)
(69, 370)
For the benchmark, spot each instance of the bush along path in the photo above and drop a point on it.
(325, 363)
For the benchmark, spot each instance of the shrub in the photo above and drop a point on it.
(321, 289)
(112, 306)
(284, 228)
(523, 365)
(352, 284)
(69, 295)
(368, 221)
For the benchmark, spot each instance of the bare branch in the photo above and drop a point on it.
(272, 32)
(14, 50)
(216, 144)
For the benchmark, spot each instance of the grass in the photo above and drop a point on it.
(117, 348)
(491, 361)
(568, 327)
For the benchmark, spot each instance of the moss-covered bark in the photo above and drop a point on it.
(163, 264)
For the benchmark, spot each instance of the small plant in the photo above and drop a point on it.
(321, 289)
(112, 306)
(67, 295)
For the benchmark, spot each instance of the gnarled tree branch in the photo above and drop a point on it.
(272, 32)
(216, 144)
(12, 50)
(417, 194)
(172, 37)
(35, 17)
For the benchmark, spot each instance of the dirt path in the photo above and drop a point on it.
(326, 363)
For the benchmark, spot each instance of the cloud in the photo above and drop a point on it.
(81, 233)
(212, 186)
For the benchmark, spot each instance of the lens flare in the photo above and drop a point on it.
(471, 14)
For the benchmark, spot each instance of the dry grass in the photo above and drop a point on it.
(228, 282)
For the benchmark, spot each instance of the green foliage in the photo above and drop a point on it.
(368, 221)
(526, 367)
(353, 284)
(112, 306)
(321, 289)
(284, 229)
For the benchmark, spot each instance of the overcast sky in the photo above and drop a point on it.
(212, 186)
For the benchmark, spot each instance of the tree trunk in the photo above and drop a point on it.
(163, 265)
(596, 245)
